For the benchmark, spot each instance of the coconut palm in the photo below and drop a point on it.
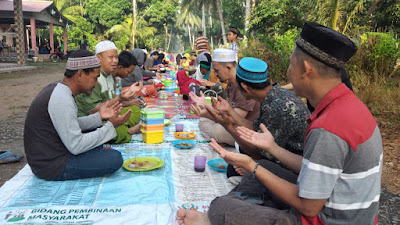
(191, 20)
(125, 29)
(337, 14)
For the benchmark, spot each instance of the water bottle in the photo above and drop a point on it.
(118, 85)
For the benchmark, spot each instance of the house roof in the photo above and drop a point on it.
(27, 6)
(45, 12)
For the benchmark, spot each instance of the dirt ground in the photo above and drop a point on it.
(20, 88)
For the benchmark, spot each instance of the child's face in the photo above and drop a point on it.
(231, 36)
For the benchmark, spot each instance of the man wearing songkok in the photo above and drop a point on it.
(59, 145)
(104, 91)
(282, 112)
(207, 80)
(139, 73)
(340, 171)
(224, 63)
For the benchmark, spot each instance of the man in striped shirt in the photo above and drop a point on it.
(201, 43)
(340, 171)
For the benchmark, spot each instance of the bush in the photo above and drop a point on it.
(275, 50)
(377, 54)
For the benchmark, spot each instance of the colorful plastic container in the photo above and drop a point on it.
(152, 137)
(152, 121)
(152, 113)
(157, 127)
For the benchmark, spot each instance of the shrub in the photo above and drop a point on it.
(275, 50)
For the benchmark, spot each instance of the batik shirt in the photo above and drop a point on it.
(285, 116)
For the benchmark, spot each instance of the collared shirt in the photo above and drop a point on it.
(285, 116)
(102, 92)
(237, 100)
(342, 161)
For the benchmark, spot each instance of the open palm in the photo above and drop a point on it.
(107, 111)
(263, 140)
(198, 100)
(236, 159)
(136, 87)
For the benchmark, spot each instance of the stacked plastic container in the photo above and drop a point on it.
(152, 125)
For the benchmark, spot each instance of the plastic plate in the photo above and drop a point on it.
(184, 135)
(215, 163)
(141, 164)
(184, 144)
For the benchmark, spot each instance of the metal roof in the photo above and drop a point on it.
(27, 6)
(44, 12)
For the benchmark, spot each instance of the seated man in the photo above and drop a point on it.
(340, 172)
(224, 64)
(139, 73)
(58, 144)
(104, 91)
(284, 114)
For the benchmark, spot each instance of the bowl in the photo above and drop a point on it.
(215, 163)
(184, 144)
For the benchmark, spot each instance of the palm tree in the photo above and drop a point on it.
(142, 32)
(332, 13)
(191, 20)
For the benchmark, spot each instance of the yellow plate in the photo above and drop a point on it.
(184, 135)
(145, 163)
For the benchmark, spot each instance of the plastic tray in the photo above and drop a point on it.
(152, 113)
(152, 137)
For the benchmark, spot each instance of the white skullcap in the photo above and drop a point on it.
(145, 51)
(224, 55)
(104, 46)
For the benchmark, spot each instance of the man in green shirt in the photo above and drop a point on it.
(104, 91)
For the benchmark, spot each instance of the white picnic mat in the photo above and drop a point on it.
(151, 197)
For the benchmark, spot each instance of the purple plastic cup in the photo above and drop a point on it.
(200, 163)
(178, 127)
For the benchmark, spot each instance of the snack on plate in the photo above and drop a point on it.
(221, 167)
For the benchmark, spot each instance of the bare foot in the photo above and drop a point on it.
(191, 217)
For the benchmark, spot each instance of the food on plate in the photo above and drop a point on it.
(221, 167)
(135, 164)
(185, 145)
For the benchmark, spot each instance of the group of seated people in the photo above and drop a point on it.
(319, 168)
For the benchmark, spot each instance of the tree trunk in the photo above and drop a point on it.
(134, 24)
(19, 30)
(373, 7)
(169, 41)
(190, 37)
(209, 16)
(203, 19)
(335, 14)
(221, 18)
(247, 14)
(166, 38)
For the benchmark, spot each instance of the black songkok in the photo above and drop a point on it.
(326, 45)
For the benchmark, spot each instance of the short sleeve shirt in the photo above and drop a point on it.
(237, 100)
(201, 44)
(342, 161)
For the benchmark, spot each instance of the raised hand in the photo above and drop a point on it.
(199, 110)
(219, 117)
(107, 111)
(221, 105)
(263, 140)
(136, 87)
(198, 100)
(236, 159)
(119, 120)
(137, 102)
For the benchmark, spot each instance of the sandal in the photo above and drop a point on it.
(8, 157)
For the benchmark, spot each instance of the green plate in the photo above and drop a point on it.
(145, 163)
